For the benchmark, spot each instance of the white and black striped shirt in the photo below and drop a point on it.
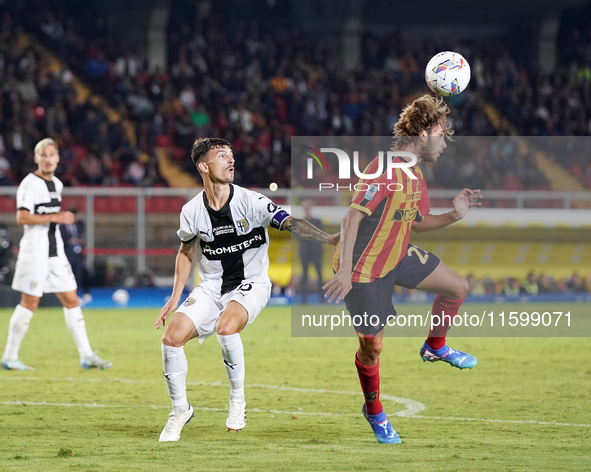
(232, 242)
(40, 197)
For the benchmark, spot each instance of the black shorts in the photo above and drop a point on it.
(370, 304)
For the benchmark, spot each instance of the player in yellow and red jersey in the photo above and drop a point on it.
(374, 253)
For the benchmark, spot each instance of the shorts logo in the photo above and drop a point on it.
(33, 285)
(189, 301)
(243, 225)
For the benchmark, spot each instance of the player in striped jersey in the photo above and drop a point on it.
(374, 253)
(42, 266)
(225, 229)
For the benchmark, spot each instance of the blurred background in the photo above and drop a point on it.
(126, 86)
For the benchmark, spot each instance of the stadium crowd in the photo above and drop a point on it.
(257, 86)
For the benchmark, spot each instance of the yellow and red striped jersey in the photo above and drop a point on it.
(390, 205)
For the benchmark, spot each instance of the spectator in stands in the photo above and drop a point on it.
(475, 286)
(575, 284)
(546, 284)
(511, 287)
(530, 285)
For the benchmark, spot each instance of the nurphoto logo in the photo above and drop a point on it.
(386, 164)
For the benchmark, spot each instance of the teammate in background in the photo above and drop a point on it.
(310, 253)
(374, 253)
(225, 228)
(42, 266)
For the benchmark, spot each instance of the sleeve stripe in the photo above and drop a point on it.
(361, 208)
(189, 240)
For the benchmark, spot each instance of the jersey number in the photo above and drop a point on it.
(422, 257)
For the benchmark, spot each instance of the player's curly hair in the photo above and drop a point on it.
(202, 146)
(424, 113)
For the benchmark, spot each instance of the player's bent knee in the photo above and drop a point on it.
(169, 339)
(461, 288)
(370, 351)
(29, 302)
(465, 287)
(174, 336)
(226, 329)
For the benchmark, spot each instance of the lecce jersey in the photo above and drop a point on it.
(233, 242)
(390, 207)
(40, 197)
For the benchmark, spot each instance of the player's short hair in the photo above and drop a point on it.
(202, 146)
(43, 144)
(425, 113)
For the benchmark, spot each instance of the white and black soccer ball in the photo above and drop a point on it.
(447, 73)
(120, 297)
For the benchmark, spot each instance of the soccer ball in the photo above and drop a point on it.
(120, 297)
(447, 73)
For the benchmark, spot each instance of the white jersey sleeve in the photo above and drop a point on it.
(186, 231)
(268, 213)
(25, 196)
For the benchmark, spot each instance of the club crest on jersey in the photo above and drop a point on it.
(189, 301)
(243, 226)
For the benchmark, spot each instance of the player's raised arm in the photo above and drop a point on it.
(337, 287)
(303, 229)
(182, 270)
(462, 203)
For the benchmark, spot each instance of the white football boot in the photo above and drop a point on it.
(236, 415)
(174, 425)
(95, 362)
(15, 364)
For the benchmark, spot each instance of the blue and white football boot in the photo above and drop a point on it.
(459, 359)
(381, 427)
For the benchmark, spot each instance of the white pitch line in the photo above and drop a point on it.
(154, 407)
(412, 407)
(545, 423)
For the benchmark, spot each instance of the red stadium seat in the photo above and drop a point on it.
(164, 140)
(178, 153)
(101, 205)
(7, 204)
(512, 182)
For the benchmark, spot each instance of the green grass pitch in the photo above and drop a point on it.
(526, 406)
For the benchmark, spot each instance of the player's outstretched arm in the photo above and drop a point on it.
(303, 229)
(24, 217)
(464, 200)
(182, 269)
(337, 287)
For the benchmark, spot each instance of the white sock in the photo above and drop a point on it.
(233, 355)
(17, 327)
(77, 326)
(175, 368)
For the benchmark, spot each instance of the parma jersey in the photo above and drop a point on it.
(390, 206)
(232, 243)
(40, 197)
